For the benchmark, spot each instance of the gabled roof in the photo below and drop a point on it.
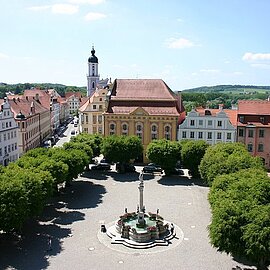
(232, 114)
(254, 107)
(75, 94)
(23, 105)
(141, 89)
(84, 103)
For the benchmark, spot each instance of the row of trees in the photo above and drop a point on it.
(26, 184)
(240, 202)
(168, 153)
(213, 99)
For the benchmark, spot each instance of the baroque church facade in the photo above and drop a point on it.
(147, 108)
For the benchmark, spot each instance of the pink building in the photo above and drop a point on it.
(253, 127)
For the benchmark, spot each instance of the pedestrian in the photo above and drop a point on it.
(126, 210)
(49, 243)
(172, 228)
(157, 212)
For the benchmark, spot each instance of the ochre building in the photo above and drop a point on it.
(147, 108)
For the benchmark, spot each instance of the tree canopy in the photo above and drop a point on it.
(240, 205)
(165, 153)
(192, 153)
(224, 158)
(121, 148)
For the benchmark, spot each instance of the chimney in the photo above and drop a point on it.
(32, 108)
(220, 107)
(37, 97)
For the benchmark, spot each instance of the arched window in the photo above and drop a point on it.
(124, 129)
(167, 132)
(112, 128)
(154, 132)
(139, 130)
(93, 85)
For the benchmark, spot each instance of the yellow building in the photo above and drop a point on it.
(147, 108)
(91, 113)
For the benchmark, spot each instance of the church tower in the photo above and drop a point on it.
(92, 76)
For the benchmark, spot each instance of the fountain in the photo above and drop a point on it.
(140, 229)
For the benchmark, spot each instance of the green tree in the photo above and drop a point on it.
(192, 153)
(224, 158)
(80, 146)
(164, 152)
(75, 159)
(121, 148)
(92, 140)
(14, 208)
(240, 215)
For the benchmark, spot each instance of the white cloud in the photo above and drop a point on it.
(91, 2)
(64, 9)
(3, 56)
(238, 73)
(256, 56)
(180, 43)
(39, 8)
(57, 8)
(262, 66)
(210, 70)
(93, 16)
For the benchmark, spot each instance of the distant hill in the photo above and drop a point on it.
(20, 87)
(236, 89)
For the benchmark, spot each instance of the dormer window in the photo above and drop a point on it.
(242, 119)
(207, 112)
(262, 119)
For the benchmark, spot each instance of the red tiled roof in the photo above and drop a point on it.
(172, 111)
(23, 105)
(142, 89)
(232, 114)
(43, 96)
(76, 94)
(257, 107)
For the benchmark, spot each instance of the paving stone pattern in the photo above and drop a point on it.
(73, 221)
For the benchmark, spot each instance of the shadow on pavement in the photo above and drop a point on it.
(98, 175)
(175, 180)
(31, 249)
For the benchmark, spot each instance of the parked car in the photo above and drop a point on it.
(127, 167)
(178, 171)
(101, 167)
(151, 168)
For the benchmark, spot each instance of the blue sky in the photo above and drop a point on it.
(187, 43)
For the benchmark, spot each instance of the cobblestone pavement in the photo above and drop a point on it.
(74, 217)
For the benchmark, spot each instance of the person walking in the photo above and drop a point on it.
(49, 243)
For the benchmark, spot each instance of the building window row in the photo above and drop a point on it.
(8, 148)
(251, 133)
(260, 147)
(6, 124)
(209, 135)
(139, 130)
(8, 135)
(209, 122)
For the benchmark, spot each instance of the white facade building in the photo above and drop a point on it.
(210, 125)
(8, 135)
(74, 101)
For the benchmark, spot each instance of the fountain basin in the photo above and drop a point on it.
(128, 227)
